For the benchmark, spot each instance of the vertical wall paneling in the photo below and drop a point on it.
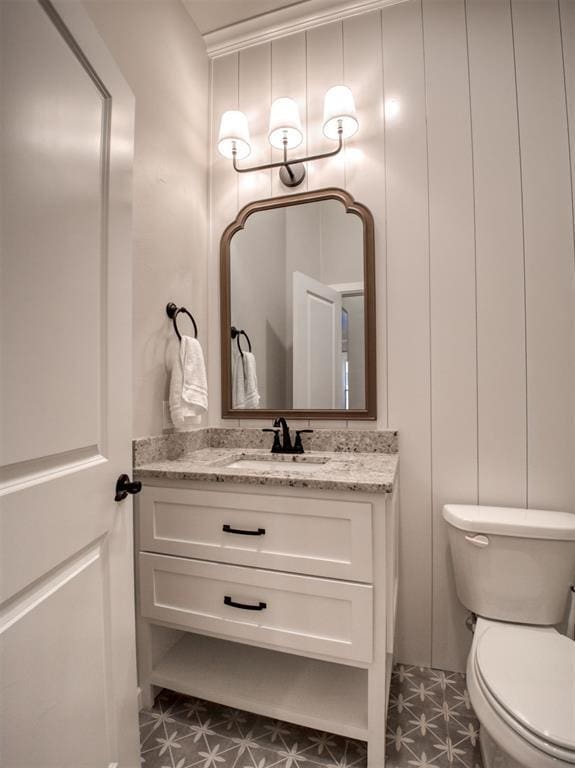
(499, 243)
(254, 98)
(224, 205)
(363, 73)
(567, 20)
(468, 173)
(408, 317)
(452, 305)
(289, 79)
(549, 268)
(254, 83)
(324, 69)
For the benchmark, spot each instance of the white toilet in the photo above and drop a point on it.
(513, 568)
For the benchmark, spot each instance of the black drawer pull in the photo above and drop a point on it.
(228, 529)
(259, 607)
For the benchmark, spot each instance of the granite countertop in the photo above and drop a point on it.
(342, 471)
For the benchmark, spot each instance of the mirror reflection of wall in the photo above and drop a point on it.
(297, 289)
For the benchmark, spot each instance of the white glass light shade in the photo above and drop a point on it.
(234, 133)
(285, 124)
(339, 109)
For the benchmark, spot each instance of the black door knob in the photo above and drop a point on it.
(124, 486)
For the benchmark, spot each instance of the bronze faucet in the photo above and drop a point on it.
(285, 444)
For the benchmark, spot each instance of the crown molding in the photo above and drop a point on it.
(286, 21)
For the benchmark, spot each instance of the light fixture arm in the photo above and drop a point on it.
(285, 163)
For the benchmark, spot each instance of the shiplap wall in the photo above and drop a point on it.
(471, 187)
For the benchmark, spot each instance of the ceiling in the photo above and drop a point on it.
(211, 15)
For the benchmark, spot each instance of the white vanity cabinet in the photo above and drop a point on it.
(277, 600)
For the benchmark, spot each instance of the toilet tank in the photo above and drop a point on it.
(512, 564)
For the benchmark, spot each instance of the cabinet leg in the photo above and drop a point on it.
(376, 751)
(377, 711)
(148, 695)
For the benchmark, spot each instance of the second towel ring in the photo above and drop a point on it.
(236, 333)
(173, 311)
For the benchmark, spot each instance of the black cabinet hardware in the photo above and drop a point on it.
(228, 529)
(124, 486)
(259, 607)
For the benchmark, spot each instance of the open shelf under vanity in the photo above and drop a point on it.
(309, 692)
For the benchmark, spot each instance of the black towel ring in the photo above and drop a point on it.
(236, 333)
(173, 311)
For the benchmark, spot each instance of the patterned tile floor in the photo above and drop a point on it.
(430, 725)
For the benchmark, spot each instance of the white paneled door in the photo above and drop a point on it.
(68, 696)
(317, 361)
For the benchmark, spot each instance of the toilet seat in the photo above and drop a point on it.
(528, 676)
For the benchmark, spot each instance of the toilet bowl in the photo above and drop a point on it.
(512, 569)
(521, 682)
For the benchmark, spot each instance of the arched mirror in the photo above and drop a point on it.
(298, 309)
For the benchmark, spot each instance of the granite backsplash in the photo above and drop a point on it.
(174, 445)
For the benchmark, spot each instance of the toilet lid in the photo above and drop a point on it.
(531, 673)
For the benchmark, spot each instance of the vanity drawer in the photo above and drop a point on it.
(321, 537)
(301, 613)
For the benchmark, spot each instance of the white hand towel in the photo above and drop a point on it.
(195, 383)
(184, 415)
(238, 381)
(251, 381)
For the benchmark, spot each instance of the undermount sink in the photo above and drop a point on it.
(292, 462)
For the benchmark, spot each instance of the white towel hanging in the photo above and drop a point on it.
(252, 396)
(186, 377)
(238, 381)
(195, 381)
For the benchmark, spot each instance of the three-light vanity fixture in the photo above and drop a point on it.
(285, 132)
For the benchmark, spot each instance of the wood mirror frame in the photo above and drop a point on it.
(369, 412)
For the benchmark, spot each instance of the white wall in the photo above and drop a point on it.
(162, 56)
(471, 188)
(341, 245)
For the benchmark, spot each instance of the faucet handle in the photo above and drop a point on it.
(276, 447)
(298, 445)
